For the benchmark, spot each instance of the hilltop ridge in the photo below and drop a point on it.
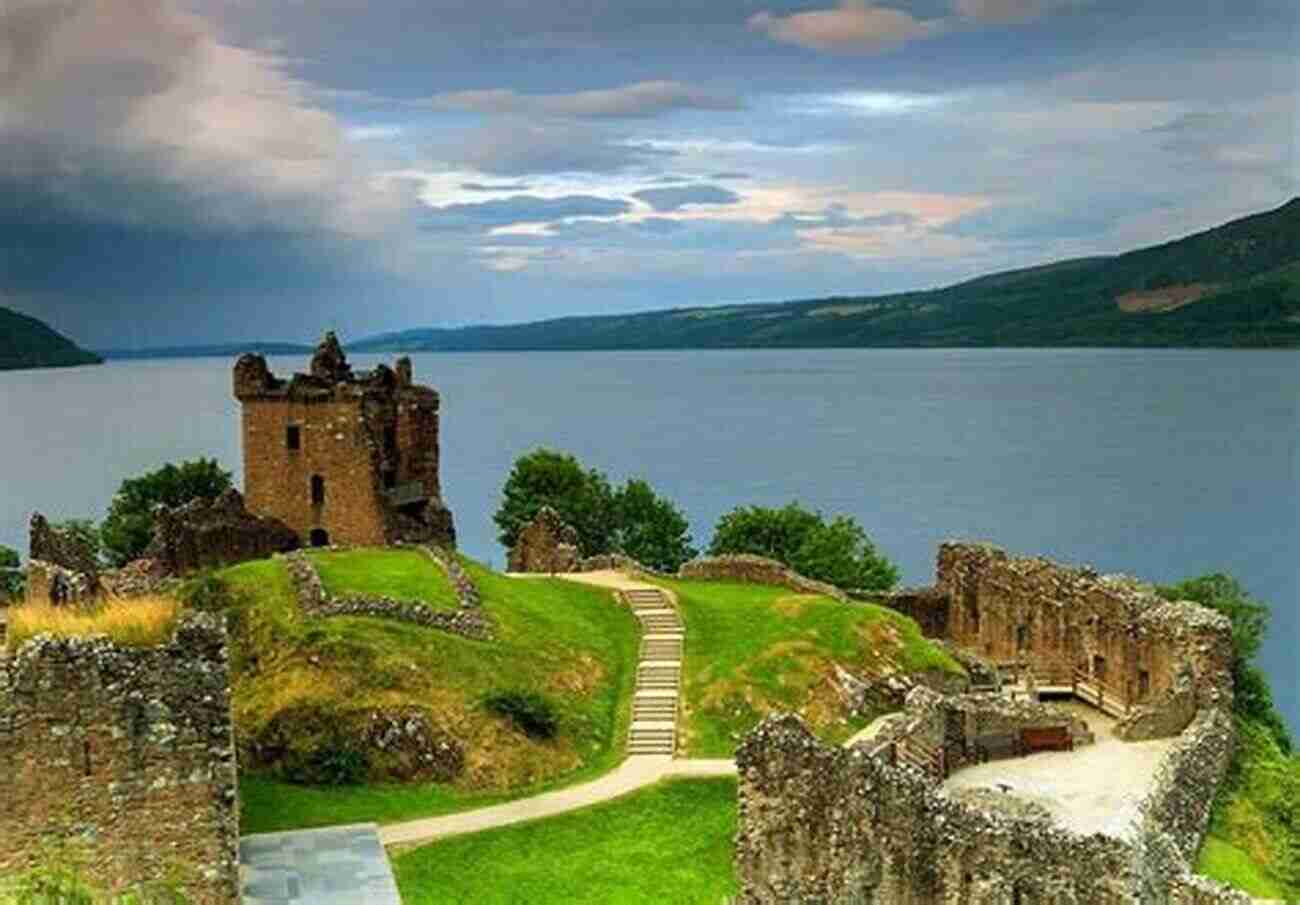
(26, 342)
(1233, 285)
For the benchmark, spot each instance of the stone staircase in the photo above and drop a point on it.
(659, 672)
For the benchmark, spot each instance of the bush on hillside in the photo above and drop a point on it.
(582, 497)
(530, 712)
(650, 529)
(631, 519)
(128, 528)
(838, 552)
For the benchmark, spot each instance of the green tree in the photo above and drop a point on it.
(649, 528)
(838, 552)
(129, 526)
(1252, 699)
(582, 497)
(11, 580)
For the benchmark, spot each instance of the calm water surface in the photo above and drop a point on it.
(1159, 463)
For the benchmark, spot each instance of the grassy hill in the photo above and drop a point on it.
(25, 342)
(1235, 285)
(304, 688)
(755, 649)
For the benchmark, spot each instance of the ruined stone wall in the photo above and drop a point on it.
(214, 533)
(547, 544)
(822, 825)
(928, 607)
(1112, 630)
(758, 570)
(835, 826)
(468, 620)
(129, 750)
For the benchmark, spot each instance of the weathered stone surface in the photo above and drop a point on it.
(129, 750)
(406, 746)
(546, 544)
(820, 825)
(61, 548)
(1070, 625)
(207, 534)
(343, 457)
(927, 606)
(758, 570)
(53, 584)
(1168, 715)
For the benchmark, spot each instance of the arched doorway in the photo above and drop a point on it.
(320, 537)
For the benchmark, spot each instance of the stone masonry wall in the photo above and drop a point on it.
(759, 570)
(547, 544)
(1112, 630)
(214, 533)
(129, 750)
(821, 825)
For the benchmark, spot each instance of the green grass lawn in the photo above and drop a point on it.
(572, 643)
(753, 649)
(400, 574)
(670, 844)
(1223, 861)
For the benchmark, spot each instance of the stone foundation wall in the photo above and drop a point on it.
(53, 584)
(468, 621)
(928, 607)
(547, 545)
(757, 570)
(129, 750)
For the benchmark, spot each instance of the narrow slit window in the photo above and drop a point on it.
(317, 490)
(293, 437)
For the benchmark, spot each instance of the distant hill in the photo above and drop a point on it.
(25, 342)
(219, 350)
(1237, 285)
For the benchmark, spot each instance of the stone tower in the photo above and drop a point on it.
(342, 457)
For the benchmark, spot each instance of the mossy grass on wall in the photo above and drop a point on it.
(294, 674)
(399, 574)
(136, 622)
(753, 649)
(670, 844)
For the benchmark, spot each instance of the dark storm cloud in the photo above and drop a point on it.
(520, 209)
(675, 198)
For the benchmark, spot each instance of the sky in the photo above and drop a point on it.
(182, 171)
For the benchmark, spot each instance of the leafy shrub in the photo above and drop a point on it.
(333, 763)
(837, 552)
(128, 528)
(207, 593)
(11, 579)
(531, 713)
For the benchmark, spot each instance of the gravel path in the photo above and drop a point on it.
(1094, 789)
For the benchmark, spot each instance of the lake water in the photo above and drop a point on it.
(1163, 464)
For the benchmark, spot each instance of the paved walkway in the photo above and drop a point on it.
(651, 740)
(341, 865)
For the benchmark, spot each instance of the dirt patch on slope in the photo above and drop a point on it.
(1167, 298)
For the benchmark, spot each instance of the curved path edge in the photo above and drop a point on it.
(636, 772)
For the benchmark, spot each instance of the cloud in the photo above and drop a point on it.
(1005, 11)
(860, 26)
(521, 209)
(677, 197)
(137, 112)
(854, 26)
(635, 101)
(521, 147)
(1053, 218)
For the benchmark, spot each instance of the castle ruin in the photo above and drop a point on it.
(343, 457)
(879, 824)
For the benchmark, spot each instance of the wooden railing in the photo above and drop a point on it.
(926, 758)
(1105, 696)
